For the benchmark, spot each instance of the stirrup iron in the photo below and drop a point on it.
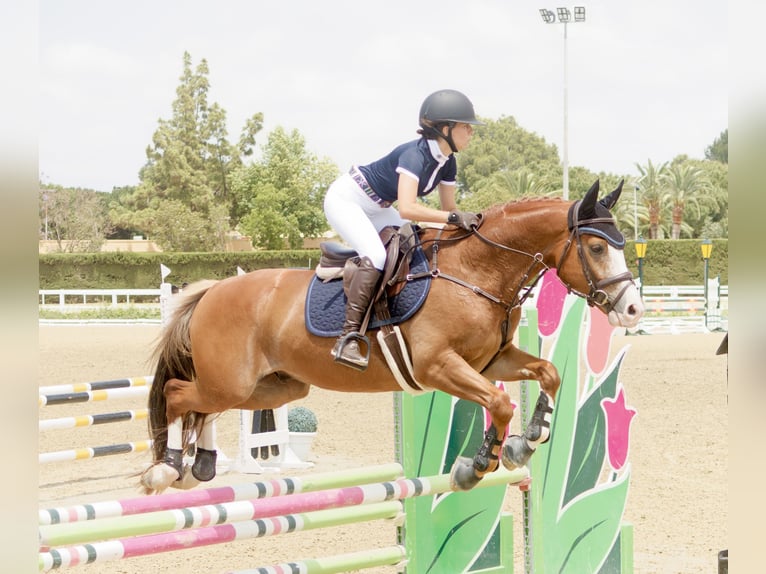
(341, 345)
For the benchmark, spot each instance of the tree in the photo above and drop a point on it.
(119, 229)
(626, 213)
(502, 146)
(719, 149)
(504, 186)
(685, 187)
(281, 195)
(75, 218)
(711, 219)
(581, 180)
(184, 200)
(651, 195)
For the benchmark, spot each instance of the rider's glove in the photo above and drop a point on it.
(465, 219)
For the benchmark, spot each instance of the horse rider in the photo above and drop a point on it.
(359, 204)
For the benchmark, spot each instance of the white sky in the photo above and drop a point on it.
(648, 79)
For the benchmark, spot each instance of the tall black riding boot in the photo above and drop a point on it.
(359, 283)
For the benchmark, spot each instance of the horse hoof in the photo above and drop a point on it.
(157, 478)
(516, 452)
(203, 468)
(463, 476)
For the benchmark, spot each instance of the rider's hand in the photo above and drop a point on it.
(465, 219)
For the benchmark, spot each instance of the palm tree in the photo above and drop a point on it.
(652, 195)
(631, 218)
(504, 186)
(522, 183)
(684, 186)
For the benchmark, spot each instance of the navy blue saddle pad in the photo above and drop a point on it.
(326, 302)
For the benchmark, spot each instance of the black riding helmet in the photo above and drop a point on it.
(445, 107)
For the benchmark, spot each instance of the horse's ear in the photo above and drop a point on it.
(610, 200)
(588, 203)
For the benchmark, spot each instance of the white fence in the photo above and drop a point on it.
(76, 299)
(683, 309)
(669, 309)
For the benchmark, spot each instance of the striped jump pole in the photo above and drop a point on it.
(93, 452)
(218, 495)
(388, 556)
(91, 420)
(195, 517)
(88, 396)
(98, 385)
(155, 543)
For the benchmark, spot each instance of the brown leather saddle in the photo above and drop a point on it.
(400, 246)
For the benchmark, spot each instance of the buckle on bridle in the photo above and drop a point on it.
(599, 298)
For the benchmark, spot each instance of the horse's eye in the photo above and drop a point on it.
(597, 249)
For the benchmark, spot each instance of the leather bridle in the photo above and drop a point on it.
(596, 295)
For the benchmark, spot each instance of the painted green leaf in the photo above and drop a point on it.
(466, 435)
(455, 527)
(589, 447)
(430, 432)
(464, 522)
(557, 453)
(587, 528)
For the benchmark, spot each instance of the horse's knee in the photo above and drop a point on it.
(501, 410)
(550, 381)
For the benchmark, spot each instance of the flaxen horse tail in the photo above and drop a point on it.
(173, 358)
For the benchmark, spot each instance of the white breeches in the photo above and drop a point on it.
(358, 219)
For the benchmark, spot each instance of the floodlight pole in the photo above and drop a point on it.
(564, 18)
(565, 155)
(635, 211)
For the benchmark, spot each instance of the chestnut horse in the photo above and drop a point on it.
(242, 343)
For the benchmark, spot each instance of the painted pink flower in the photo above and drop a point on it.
(599, 339)
(550, 307)
(550, 303)
(618, 418)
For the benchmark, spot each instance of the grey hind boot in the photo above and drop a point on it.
(360, 278)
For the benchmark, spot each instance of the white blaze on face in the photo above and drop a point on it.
(629, 308)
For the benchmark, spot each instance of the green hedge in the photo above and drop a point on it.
(123, 270)
(666, 263)
(679, 262)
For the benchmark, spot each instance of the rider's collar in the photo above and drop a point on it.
(436, 152)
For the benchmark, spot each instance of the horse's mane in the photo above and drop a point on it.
(520, 204)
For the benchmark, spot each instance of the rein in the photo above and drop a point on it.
(595, 297)
(517, 301)
(436, 272)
